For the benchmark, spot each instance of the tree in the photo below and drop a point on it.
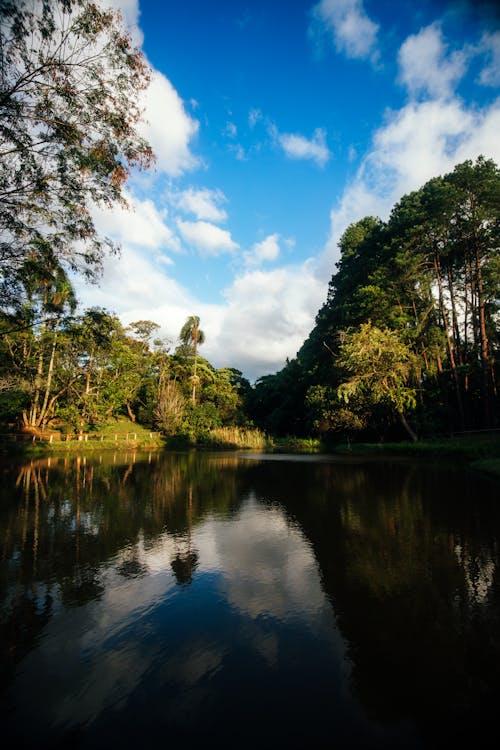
(70, 81)
(380, 366)
(171, 407)
(192, 336)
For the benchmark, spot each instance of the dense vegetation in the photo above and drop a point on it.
(405, 345)
(407, 341)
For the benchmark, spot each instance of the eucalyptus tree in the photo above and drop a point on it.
(70, 80)
(192, 336)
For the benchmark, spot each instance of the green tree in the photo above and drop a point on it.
(70, 80)
(192, 336)
(380, 366)
(33, 338)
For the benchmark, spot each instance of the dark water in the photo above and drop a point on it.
(173, 600)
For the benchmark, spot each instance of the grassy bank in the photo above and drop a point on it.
(121, 434)
(480, 451)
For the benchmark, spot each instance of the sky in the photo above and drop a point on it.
(276, 124)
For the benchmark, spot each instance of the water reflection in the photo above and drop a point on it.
(353, 603)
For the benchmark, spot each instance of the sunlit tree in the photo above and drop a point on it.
(380, 366)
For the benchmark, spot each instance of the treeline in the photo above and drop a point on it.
(75, 372)
(407, 341)
(71, 81)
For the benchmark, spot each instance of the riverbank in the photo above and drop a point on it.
(481, 451)
(121, 435)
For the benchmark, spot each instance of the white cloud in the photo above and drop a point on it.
(165, 124)
(129, 10)
(254, 116)
(264, 319)
(267, 250)
(267, 317)
(490, 47)
(203, 203)
(231, 131)
(136, 282)
(141, 226)
(168, 127)
(206, 237)
(353, 32)
(425, 66)
(418, 142)
(297, 147)
(294, 145)
(239, 152)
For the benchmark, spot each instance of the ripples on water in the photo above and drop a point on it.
(278, 602)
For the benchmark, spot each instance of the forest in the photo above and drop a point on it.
(405, 346)
(407, 342)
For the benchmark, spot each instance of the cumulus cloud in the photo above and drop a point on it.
(143, 225)
(206, 237)
(416, 143)
(490, 47)
(267, 316)
(203, 203)
(168, 127)
(136, 283)
(161, 104)
(354, 33)
(267, 250)
(425, 66)
(298, 147)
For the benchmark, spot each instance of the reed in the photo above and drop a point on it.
(237, 437)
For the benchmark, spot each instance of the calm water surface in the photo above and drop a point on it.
(247, 601)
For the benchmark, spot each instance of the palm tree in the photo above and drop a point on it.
(192, 335)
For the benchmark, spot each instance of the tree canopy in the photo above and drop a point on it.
(70, 80)
(420, 288)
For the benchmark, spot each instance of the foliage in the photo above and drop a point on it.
(410, 325)
(69, 110)
(427, 278)
(380, 366)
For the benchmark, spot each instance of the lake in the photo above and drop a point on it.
(243, 600)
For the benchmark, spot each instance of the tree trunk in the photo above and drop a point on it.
(195, 342)
(407, 427)
(449, 345)
(483, 338)
(50, 371)
(130, 412)
(33, 412)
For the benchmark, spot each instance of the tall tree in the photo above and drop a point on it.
(70, 80)
(191, 335)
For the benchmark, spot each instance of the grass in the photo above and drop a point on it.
(119, 434)
(237, 438)
(481, 452)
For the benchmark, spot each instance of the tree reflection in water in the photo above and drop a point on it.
(370, 586)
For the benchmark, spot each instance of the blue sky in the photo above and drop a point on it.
(276, 124)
